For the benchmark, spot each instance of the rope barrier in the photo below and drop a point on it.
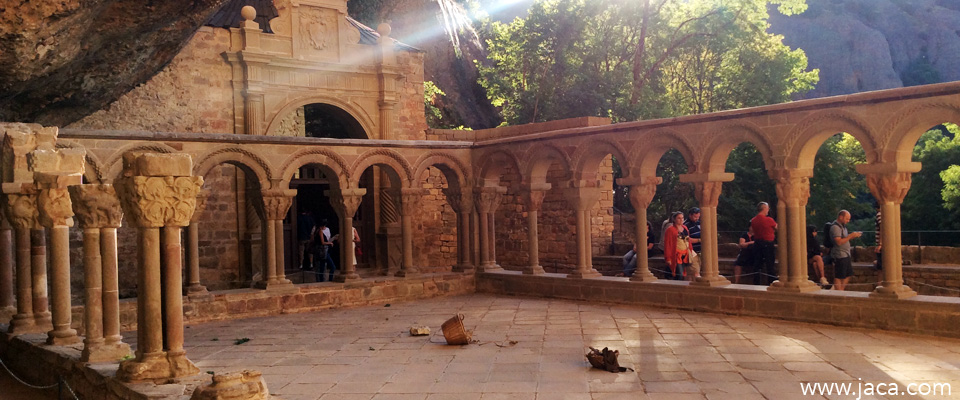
(23, 382)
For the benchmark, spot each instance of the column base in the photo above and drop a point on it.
(44, 320)
(64, 337)
(246, 384)
(196, 289)
(534, 270)
(647, 277)
(710, 282)
(407, 273)
(157, 367)
(100, 352)
(805, 286)
(21, 324)
(490, 268)
(591, 273)
(463, 269)
(901, 292)
(346, 277)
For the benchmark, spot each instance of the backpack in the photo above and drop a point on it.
(827, 238)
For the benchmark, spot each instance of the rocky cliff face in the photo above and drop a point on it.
(862, 45)
(61, 60)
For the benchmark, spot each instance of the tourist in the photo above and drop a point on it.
(745, 257)
(321, 245)
(676, 244)
(842, 264)
(630, 262)
(305, 226)
(764, 230)
(693, 225)
(355, 245)
(815, 255)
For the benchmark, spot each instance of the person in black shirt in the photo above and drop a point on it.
(693, 225)
(745, 258)
(814, 255)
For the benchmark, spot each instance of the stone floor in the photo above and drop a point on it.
(365, 353)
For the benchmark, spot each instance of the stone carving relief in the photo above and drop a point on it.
(158, 201)
(21, 210)
(318, 29)
(281, 24)
(55, 208)
(96, 206)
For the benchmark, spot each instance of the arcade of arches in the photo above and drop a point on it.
(312, 129)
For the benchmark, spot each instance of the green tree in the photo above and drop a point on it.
(951, 187)
(836, 185)
(926, 204)
(750, 185)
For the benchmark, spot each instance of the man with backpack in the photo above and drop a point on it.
(838, 241)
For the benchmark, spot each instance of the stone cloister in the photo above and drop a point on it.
(112, 174)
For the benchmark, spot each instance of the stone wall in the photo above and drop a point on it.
(435, 245)
(411, 123)
(192, 94)
(219, 240)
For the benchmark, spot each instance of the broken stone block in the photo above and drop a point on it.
(419, 330)
(243, 385)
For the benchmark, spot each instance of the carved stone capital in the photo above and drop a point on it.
(21, 211)
(96, 206)
(276, 203)
(55, 208)
(346, 201)
(18, 141)
(454, 198)
(534, 199)
(708, 193)
(409, 200)
(642, 195)
(793, 190)
(582, 198)
(488, 198)
(158, 201)
(889, 187)
(202, 196)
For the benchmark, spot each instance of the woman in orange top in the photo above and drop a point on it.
(676, 247)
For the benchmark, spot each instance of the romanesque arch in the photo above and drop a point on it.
(902, 131)
(452, 168)
(802, 143)
(356, 111)
(728, 137)
(249, 161)
(539, 158)
(647, 152)
(492, 165)
(395, 161)
(587, 158)
(331, 163)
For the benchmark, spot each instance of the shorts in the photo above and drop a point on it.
(842, 268)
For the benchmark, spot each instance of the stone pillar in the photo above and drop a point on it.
(6, 267)
(783, 254)
(20, 188)
(487, 200)
(462, 204)
(54, 171)
(276, 203)
(194, 288)
(793, 190)
(160, 195)
(21, 211)
(889, 185)
(583, 197)
(707, 189)
(346, 202)
(98, 211)
(641, 195)
(534, 197)
(409, 200)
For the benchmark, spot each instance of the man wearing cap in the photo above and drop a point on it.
(693, 225)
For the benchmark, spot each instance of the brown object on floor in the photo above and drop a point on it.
(419, 330)
(606, 360)
(454, 332)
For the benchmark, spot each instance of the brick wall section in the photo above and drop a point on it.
(435, 246)
(410, 124)
(192, 94)
(218, 236)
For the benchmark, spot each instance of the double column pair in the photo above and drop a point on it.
(463, 205)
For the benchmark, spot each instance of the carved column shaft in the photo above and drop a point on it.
(487, 201)
(793, 190)
(890, 188)
(708, 195)
(21, 212)
(534, 199)
(583, 199)
(6, 266)
(346, 202)
(194, 287)
(462, 204)
(641, 195)
(275, 205)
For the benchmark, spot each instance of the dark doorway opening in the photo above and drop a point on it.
(327, 121)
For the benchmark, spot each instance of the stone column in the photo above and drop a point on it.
(583, 198)
(409, 199)
(346, 202)
(194, 288)
(276, 203)
(641, 195)
(889, 185)
(54, 171)
(6, 267)
(793, 190)
(160, 195)
(98, 211)
(487, 200)
(22, 213)
(462, 204)
(534, 197)
(707, 189)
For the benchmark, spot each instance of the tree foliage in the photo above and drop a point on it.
(931, 204)
(631, 60)
(836, 185)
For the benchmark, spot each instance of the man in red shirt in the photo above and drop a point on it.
(764, 229)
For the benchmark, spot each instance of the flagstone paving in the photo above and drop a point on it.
(367, 353)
